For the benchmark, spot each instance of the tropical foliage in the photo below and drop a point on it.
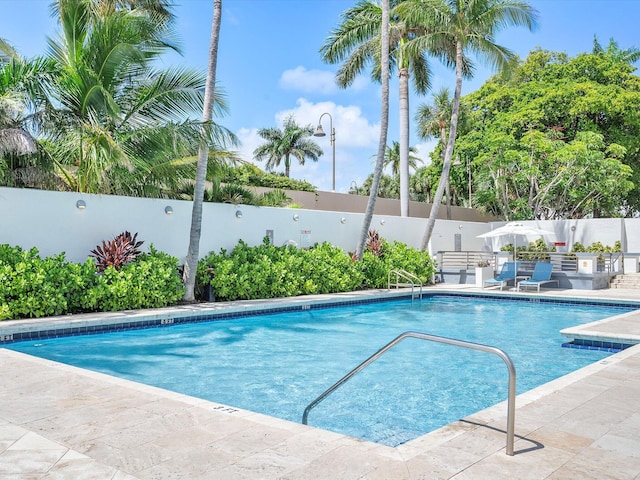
(356, 42)
(559, 138)
(103, 115)
(468, 27)
(268, 271)
(33, 286)
(282, 144)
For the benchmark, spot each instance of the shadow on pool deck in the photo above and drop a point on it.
(58, 421)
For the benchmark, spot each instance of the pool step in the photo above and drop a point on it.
(628, 280)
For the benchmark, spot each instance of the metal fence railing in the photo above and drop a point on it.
(562, 261)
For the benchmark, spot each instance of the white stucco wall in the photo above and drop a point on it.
(51, 222)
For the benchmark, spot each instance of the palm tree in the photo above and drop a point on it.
(122, 125)
(629, 55)
(356, 41)
(392, 157)
(469, 26)
(23, 102)
(433, 121)
(193, 253)
(292, 141)
(384, 128)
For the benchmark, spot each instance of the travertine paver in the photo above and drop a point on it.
(60, 422)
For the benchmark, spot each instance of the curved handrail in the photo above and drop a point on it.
(511, 404)
(410, 277)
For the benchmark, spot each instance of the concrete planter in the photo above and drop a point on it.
(482, 274)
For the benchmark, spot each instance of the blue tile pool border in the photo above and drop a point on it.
(600, 345)
(48, 332)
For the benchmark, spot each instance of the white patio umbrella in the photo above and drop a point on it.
(514, 229)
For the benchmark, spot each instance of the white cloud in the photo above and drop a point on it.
(249, 141)
(424, 149)
(316, 81)
(301, 79)
(353, 130)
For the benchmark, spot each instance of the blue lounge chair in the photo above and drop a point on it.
(507, 274)
(541, 275)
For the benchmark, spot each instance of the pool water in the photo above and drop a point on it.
(277, 364)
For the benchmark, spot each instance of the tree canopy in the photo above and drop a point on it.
(558, 138)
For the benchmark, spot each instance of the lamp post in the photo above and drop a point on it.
(320, 133)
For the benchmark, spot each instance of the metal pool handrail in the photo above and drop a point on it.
(410, 278)
(511, 404)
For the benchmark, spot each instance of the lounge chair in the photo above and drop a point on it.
(541, 275)
(507, 274)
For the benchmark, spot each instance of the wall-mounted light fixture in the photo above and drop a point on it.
(296, 217)
(343, 220)
(382, 222)
(168, 210)
(81, 205)
(238, 213)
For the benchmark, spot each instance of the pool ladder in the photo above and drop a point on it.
(511, 400)
(404, 279)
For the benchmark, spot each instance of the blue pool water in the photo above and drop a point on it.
(277, 364)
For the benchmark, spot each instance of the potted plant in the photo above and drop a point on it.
(484, 271)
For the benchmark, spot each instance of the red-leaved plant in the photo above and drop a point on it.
(374, 244)
(117, 252)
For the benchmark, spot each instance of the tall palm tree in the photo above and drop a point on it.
(191, 262)
(384, 128)
(469, 26)
(392, 157)
(292, 141)
(356, 41)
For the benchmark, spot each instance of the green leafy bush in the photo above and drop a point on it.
(397, 256)
(597, 247)
(267, 271)
(251, 175)
(150, 281)
(31, 286)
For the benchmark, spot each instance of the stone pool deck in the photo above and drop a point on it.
(61, 422)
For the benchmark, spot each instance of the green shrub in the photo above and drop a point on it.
(35, 287)
(31, 286)
(267, 271)
(397, 256)
(150, 281)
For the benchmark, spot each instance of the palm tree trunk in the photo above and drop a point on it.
(453, 126)
(404, 142)
(191, 263)
(384, 126)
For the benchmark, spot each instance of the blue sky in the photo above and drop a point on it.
(269, 66)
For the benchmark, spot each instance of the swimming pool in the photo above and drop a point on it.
(277, 364)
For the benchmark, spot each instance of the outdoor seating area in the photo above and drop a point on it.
(509, 275)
